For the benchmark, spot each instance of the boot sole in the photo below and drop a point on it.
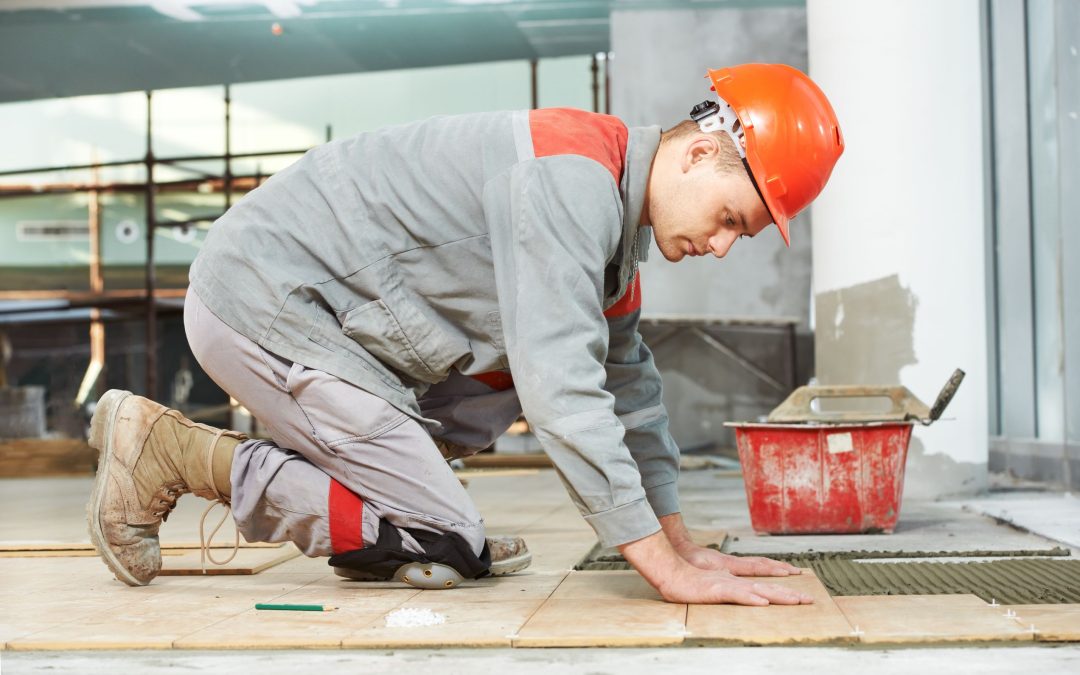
(511, 565)
(103, 420)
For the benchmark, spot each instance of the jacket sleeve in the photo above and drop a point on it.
(551, 232)
(635, 383)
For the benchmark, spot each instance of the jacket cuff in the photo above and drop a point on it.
(624, 524)
(664, 499)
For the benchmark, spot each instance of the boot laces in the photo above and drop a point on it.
(165, 499)
(204, 541)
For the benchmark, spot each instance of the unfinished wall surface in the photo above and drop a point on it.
(658, 74)
(898, 250)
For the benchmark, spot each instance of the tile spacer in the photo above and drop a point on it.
(857, 632)
(1009, 614)
(994, 602)
(1033, 629)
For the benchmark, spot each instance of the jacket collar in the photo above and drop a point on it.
(640, 150)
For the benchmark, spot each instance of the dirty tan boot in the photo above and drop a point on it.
(508, 555)
(148, 457)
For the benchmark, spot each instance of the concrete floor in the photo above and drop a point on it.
(1047, 660)
(711, 500)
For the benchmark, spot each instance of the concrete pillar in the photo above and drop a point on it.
(899, 233)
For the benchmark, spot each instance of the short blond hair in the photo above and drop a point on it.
(728, 161)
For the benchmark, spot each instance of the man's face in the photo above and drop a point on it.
(696, 210)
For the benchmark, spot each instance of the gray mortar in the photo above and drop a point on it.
(1026, 577)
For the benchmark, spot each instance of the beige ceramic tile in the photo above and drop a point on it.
(31, 602)
(157, 615)
(820, 622)
(301, 563)
(284, 629)
(1052, 623)
(604, 623)
(558, 551)
(604, 609)
(611, 585)
(527, 585)
(466, 624)
(929, 618)
(247, 561)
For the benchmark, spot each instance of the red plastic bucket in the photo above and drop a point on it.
(832, 479)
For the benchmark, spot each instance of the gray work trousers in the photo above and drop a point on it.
(341, 460)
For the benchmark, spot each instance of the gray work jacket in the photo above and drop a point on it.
(397, 257)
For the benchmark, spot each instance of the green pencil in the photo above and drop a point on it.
(296, 608)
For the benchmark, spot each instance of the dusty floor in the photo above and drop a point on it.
(53, 609)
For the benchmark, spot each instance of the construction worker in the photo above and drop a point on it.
(398, 298)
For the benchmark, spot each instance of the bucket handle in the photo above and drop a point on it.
(904, 405)
(797, 407)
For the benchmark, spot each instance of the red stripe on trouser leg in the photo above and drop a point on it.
(346, 519)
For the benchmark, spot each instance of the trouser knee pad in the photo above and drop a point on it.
(446, 561)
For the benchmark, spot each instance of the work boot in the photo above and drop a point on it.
(148, 457)
(508, 555)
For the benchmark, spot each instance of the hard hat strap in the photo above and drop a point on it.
(753, 181)
(719, 116)
(712, 116)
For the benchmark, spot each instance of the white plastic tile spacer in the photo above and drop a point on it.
(1033, 629)
(1009, 614)
(857, 632)
(994, 602)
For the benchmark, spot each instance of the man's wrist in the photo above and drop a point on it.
(654, 558)
(676, 532)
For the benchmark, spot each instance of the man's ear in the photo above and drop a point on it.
(703, 147)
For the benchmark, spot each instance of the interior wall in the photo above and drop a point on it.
(660, 60)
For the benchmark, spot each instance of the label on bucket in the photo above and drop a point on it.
(840, 443)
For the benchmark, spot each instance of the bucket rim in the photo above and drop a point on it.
(816, 424)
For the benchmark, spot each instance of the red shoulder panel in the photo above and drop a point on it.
(568, 131)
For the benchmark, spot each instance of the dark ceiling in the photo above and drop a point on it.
(52, 48)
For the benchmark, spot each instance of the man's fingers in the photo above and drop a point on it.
(744, 596)
(765, 567)
(770, 568)
(781, 596)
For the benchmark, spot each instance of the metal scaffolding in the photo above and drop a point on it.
(110, 305)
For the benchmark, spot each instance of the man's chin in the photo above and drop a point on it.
(671, 254)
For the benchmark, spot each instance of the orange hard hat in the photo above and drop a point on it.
(791, 135)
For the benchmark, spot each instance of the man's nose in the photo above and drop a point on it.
(720, 243)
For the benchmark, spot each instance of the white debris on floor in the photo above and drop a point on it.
(410, 617)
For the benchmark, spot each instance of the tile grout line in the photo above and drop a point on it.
(341, 643)
(546, 515)
(172, 645)
(855, 631)
(515, 635)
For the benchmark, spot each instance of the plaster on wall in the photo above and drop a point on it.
(865, 335)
